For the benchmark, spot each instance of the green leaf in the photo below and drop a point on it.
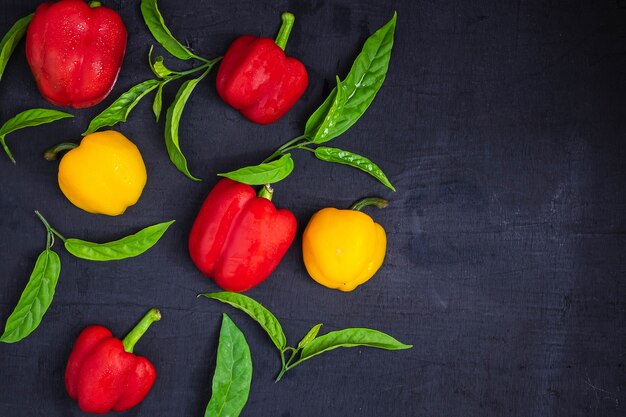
(154, 20)
(172, 121)
(11, 39)
(358, 89)
(157, 105)
(160, 69)
(35, 298)
(255, 310)
(28, 118)
(233, 373)
(32, 117)
(119, 110)
(126, 247)
(350, 338)
(309, 336)
(267, 173)
(329, 115)
(340, 156)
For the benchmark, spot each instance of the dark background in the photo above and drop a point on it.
(501, 123)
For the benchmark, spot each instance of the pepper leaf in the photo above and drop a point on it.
(28, 118)
(159, 68)
(154, 20)
(255, 310)
(11, 39)
(127, 247)
(157, 104)
(350, 338)
(172, 121)
(119, 110)
(35, 298)
(233, 373)
(309, 336)
(340, 156)
(266, 173)
(342, 109)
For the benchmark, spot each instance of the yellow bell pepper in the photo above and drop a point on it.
(105, 174)
(344, 248)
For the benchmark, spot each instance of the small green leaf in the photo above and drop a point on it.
(32, 117)
(255, 310)
(267, 173)
(160, 69)
(309, 336)
(157, 105)
(340, 156)
(119, 110)
(233, 373)
(35, 298)
(359, 88)
(154, 20)
(28, 118)
(327, 127)
(172, 121)
(350, 338)
(126, 247)
(11, 39)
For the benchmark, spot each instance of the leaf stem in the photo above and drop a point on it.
(49, 228)
(6, 149)
(287, 365)
(286, 147)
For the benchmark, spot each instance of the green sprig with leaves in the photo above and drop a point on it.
(347, 102)
(311, 344)
(120, 109)
(39, 291)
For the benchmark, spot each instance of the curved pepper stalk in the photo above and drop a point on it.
(102, 372)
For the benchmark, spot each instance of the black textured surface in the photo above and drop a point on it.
(502, 126)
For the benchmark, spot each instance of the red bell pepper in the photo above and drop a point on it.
(75, 51)
(257, 78)
(103, 374)
(238, 239)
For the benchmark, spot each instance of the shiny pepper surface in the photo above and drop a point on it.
(238, 239)
(257, 78)
(104, 175)
(103, 374)
(75, 51)
(342, 249)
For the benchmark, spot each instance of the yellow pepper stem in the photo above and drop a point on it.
(52, 154)
(369, 201)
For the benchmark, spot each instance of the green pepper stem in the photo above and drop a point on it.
(52, 154)
(369, 201)
(49, 228)
(285, 29)
(135, 334)
(266, 192)
(94, 4)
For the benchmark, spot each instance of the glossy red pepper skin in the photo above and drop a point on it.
(257, 78)
(75, 52)
(238, 239)
(102, 376)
